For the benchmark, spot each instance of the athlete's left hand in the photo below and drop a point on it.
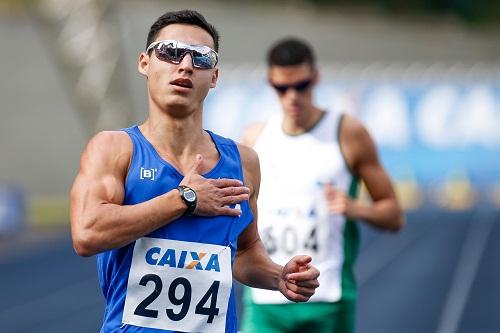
(299, 279)
(338, 202)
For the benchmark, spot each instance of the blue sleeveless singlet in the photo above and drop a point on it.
(148, 177)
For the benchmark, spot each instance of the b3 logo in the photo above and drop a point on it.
(148, 173)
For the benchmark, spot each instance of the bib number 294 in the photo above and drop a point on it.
(207, 305)
(178, 286)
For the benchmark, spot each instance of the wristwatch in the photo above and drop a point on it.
(188, 195)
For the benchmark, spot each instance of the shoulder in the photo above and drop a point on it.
(110, 141)
(251, 167)
(251, 133)
(352, 128)
(111, 137)
(108, 149)
(356, 143)
(353, 134)
(249, 157)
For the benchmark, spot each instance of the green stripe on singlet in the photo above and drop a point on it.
(351, 248)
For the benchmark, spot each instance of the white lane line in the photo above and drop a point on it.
(468, 263)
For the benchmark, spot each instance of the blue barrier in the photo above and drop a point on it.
(12, 209)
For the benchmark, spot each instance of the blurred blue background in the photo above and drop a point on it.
(423, 76)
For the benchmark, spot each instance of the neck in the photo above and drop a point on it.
(303, 122)
(177, 139)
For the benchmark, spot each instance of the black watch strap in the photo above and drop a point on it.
(188, 195)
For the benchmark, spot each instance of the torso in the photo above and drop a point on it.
(293, 217)
(189, 259)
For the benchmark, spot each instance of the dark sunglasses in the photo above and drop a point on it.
(299, 87)
(174, 51)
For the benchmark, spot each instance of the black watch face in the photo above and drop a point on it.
(189, 195)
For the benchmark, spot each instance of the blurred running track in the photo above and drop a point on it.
(440, 274)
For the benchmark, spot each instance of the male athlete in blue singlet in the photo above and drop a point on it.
(169, 208)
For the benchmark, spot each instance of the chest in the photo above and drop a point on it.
(300, 165)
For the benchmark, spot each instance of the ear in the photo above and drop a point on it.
(315, 75)
(143, 64)
(215, 77)
(269, 74)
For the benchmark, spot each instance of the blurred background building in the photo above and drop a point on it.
(424, 76)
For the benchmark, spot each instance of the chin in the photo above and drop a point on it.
(177, 108)
(178, 102)
(293, 112)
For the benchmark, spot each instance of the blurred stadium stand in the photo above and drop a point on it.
(426, 85)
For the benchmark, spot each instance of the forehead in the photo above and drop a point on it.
(189, 34)
(290, 74)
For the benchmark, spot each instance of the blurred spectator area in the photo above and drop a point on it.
(436, 126)
(423, 78)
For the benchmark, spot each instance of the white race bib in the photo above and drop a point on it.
(302, 225)
(180, 286)
(299, 227)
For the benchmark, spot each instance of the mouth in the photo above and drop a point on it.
(294, 108)
(184, 83)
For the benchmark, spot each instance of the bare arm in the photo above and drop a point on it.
(250, 246)
(100, 221)
(297, 280)
(360, 152)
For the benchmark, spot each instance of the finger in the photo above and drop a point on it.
(328, 192)
(335, 205)
(296, 262)
(310, 274)
(337, 208)
(338, 200)
(302, 259)
(196, 167)
(292, 296)
(227, 182)
(229, 211)
(308, 292)
(307, 284)
(304, 268)
(234, 200)
(303, 277)
(329, 187)
(234, 190)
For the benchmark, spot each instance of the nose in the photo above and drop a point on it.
(186, 64)
(292, 94)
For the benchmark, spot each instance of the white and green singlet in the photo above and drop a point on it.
(293, 215)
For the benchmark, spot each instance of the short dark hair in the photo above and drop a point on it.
(185, 16)
(289, 52)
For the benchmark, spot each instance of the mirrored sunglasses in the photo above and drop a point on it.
(174, 51)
